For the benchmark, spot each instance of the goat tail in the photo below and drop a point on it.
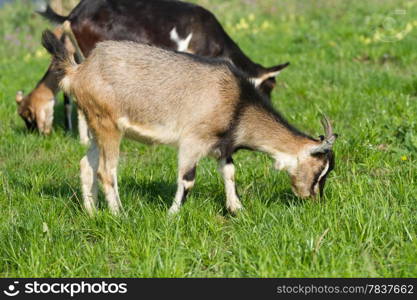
(63, 63)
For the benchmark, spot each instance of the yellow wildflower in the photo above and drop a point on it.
(242, 24)
(265, 25)
(40, 53)
(377, 36)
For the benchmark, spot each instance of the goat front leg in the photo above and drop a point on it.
(68, 112)
(109, 144)
(89, 167)
(83, 128)
(187, 164)
(227, 170)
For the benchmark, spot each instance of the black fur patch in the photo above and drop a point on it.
(330, 158)
(190, 175)
(229, 160)
(184, 196)
(316, 179)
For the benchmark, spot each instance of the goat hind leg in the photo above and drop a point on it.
(88, 168)
(227, 169)
(83, 128)
(107, 170)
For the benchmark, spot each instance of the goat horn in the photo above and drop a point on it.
(327, 127)
(19, 96)
(329, 139)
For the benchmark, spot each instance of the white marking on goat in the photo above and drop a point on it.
(182, 44)
(89, 166)
(183, 185)
(257, 81)
(65, 84)
(321, 176)
(233, 203)
(46, 116)
(155, 134)
(49, 115)
(83, 129)
(112, 193)
(176, 205)
(188, 184)
(324, 171)
(284, 161)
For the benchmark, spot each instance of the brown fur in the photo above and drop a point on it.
(36, 108)
(200, 106)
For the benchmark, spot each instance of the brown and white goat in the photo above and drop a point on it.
(202, 106)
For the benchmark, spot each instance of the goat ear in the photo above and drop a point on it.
(276, 69)
(19, 97)
(269, 73)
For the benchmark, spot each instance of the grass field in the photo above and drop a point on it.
(353, 60)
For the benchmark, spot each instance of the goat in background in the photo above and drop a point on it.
(176, 25)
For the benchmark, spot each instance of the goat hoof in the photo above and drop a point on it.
(173, 211)
(235, 209)
(91, 212)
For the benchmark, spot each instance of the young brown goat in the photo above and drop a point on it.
(202, 106)
(37, 108)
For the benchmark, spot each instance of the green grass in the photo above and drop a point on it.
(365, 226)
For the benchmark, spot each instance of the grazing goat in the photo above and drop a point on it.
(169, 24)
(37, 108)
(202, 106)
